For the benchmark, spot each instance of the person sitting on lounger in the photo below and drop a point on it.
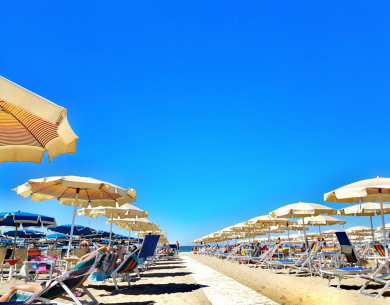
(36, 287)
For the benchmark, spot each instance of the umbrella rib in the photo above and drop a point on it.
(26, 128)
(63, 193)
(109, 194)
(44, 188)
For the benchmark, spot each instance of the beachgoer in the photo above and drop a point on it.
(51, 248)
(278, 241)
(178, 246)
(31, 246)
(84, 244)
(36, 287)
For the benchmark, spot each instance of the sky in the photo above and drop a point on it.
(213, 111)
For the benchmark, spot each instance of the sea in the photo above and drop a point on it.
(186, 248)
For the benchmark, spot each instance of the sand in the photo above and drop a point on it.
(285, 289)
(168, 282)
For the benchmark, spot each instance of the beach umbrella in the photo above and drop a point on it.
(122, 212)
(74, 230)
(26, 220)
(376, 189)
(380, 228)
(365, 209)
(268, 221)
(321, 220)
(25, 233)
(134, 224)
(294, 227)
(329, 232)
(76, 191)
(30, 125)
(302, 209)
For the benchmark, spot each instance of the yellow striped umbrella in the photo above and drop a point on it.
(31, 125)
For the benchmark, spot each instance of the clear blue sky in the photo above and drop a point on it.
(215, 112)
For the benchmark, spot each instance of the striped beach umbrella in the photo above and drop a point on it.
(30, 125)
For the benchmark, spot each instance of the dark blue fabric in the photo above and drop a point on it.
(173, 246)
(343, 239)
(18, 219)
(352, 268)
(57, 236)
(77, 231)
(24, 233)
(149, 246)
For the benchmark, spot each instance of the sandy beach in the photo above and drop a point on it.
(285, 289)
(168, 282)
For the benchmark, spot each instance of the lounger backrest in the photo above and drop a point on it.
(343, 239)
(33, 253)
(379, 248)
(128, 264)
(73, 279)
(148, 246)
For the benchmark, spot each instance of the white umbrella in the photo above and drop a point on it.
(376, 189)
(30, 125)
(321, 220)
(76, 191)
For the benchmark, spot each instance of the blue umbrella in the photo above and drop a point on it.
(102, 234)
(77, 231)
(25, 233)
(57, 236)
(27, 220)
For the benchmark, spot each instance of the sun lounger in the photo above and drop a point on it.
(347, 249)
(341, 273)
(36, 265)
(377, 277)
(65, 284)
(306, 262)
(380, 251)
(265, 257)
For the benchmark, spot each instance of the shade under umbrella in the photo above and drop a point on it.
(31, 125)
(76, 191)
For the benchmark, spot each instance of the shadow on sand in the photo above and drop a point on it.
(165, 274)
(147, 289)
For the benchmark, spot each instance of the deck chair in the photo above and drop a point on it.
(380, 250)
(65, 284)
(306, 262)
(3, 252)
(377, 277)
(343, 272)
(36, 265)
(135, 261)
(265, 257)
(79, 252)
(347, 249)
(255, 255)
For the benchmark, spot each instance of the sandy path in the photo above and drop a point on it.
(285, 289)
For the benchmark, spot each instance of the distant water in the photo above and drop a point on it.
(186, 248)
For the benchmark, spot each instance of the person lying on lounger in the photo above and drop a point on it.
(36, 287)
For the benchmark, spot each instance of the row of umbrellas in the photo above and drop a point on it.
(363, 192)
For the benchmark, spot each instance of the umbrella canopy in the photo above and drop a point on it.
(241, 227)
(78, 230)
(134, 224)
(302, 209)
(321, 220)
(57, 236)
(121, 212)
(27, 220)
(25, 233)
(376, 189)
(365, 209)
(380, 228)
(31, 125)
(76, 191)
(358, 230)
(266, 220)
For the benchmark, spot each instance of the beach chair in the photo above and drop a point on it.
(65, 284)
(36, 265)
(306, 262)
(135, 261)
(381, 276)
(379, 250)
(79, 252)
(343, 272)
(265, 257)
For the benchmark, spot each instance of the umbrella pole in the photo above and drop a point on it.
(128, 242)
(73, 219)
(319, 229)
(269, 237)
(109, 242)
(383, 222)
(372, 229)
(304, 231)
(16, 233)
